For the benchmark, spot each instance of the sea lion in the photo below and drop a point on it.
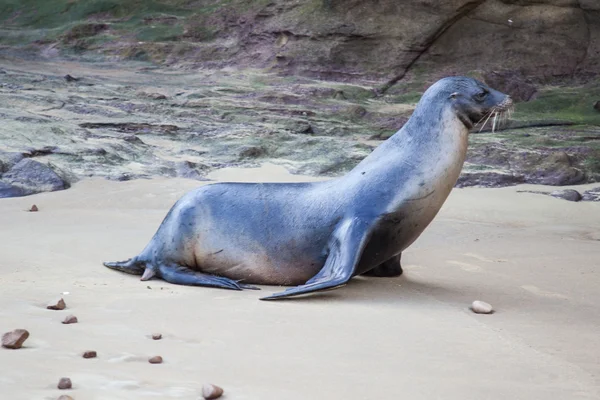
(319, 235)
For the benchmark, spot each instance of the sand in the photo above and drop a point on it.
(533, 257)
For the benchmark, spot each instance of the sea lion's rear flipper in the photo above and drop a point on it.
(387, 269)
(345, 248)
(131, 266)
(181, 275)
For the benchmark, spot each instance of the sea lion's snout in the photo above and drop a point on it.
(505, 104)
(494, 100)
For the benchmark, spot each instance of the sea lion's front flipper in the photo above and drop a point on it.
(387, 269)
(181, 275)
(345, 248)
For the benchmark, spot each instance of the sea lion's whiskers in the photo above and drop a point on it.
(487, 119)
(486, 115)
(482, 118)
(494, 123)
(503, 118)
(506, 115)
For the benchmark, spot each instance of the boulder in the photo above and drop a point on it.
(567, 194)
(7, 190)
(33, 177)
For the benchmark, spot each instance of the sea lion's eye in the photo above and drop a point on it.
(481, 95)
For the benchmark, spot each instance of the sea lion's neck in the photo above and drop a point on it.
(433, 139)
(424, 158)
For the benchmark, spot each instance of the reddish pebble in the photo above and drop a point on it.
(155, 360)
(71, 319)
(90, 354)
(64, 383)
(57, 305)
(14, 339)
(210, 391)
(33, 208)
(156, 336)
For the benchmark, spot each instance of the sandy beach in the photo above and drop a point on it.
(533, 257)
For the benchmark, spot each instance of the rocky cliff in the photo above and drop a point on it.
(380, 40)
(386, 39)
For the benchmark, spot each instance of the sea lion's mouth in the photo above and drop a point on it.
(501, 113)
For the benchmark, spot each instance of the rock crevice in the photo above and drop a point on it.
(462, 12)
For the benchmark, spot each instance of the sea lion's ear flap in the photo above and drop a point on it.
(453, 95)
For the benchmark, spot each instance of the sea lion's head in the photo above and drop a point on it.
(476, 102)
(473, 101)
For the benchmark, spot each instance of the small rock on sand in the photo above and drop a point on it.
(71, 319)
(156, 336)
(14, 339)
(155, 360)
(90, 354)
(33, 208)
(481, 307)
(210, 391)
(64, 383)
(57, 305)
